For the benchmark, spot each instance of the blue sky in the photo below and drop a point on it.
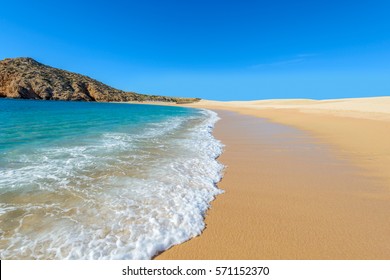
(223, 50)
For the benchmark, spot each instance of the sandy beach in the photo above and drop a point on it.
(305, 179)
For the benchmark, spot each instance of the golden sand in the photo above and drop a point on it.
(358, 129)
(311, 182)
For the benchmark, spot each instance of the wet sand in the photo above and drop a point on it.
(316, 192)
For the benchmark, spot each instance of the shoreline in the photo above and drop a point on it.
(332, 205)
(357, 129)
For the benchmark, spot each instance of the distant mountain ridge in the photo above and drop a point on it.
(28, 79)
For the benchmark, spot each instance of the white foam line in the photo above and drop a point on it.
(160, 203)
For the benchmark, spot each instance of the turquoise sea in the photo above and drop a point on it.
(85, 180)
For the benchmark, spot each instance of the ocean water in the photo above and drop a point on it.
(103, 181)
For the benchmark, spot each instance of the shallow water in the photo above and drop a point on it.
(102, 181)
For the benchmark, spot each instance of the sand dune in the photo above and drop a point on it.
(377, 108)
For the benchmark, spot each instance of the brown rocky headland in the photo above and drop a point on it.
(26, 78)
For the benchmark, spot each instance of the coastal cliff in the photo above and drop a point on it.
(26, 78)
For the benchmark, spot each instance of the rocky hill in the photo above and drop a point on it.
(28, 79)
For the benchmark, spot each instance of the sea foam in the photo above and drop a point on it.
(117, 195)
